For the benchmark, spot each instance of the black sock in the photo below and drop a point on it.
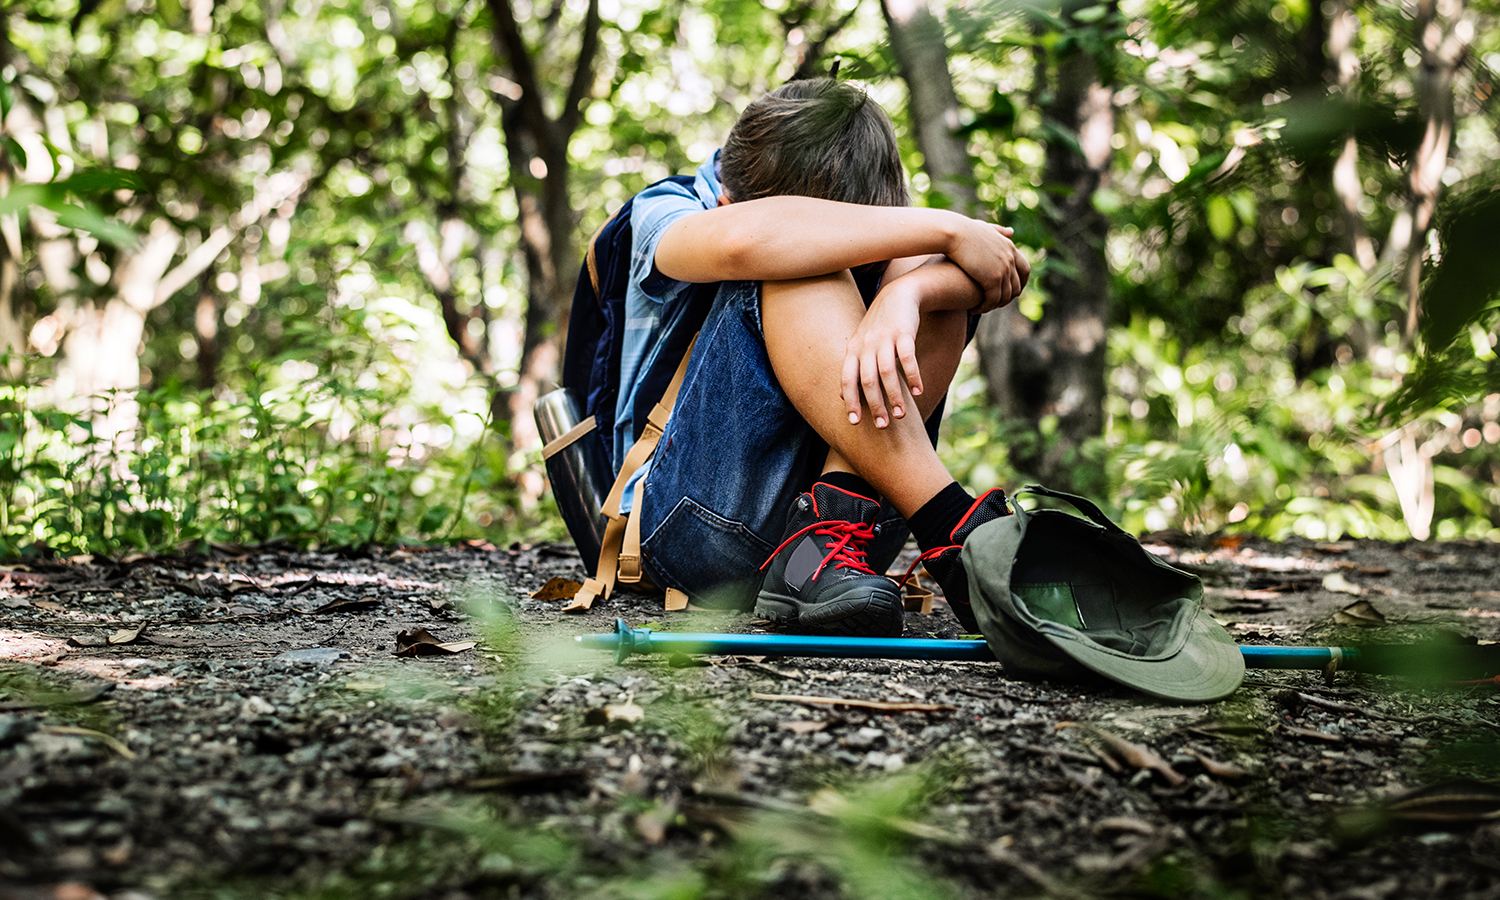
(933, 524)
(848, 481)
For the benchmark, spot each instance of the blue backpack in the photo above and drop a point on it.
(596, 330)
(581, 463)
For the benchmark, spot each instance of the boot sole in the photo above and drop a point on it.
(865, 615)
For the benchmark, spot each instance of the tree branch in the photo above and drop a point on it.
(511, 46)
(583, 73)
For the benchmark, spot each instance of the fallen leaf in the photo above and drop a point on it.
(652, 824)
(1336, 582)
(628, 711)
(88, 640)
(1311, 733)
(917, 599)
(127, 635)
(1454, 801)
(1440, 807)
(804, 726)
(343, 606)
(557, 588)
(1218, 769)
(1125, 823)
(47, 605)
(862, 704)
(419, 642)
(1132, 754)
(1361, 613)
(107, 740)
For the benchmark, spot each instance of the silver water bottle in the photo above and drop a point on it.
(580, 472)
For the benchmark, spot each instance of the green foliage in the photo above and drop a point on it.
(310, 461)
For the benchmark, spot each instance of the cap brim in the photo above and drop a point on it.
(1206, 666)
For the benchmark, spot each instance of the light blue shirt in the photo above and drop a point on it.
(654, 303)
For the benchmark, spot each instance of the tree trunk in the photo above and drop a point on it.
(1347, 186)
(537, 151)
(1050, 374)
(922, 55)
(1443, 45)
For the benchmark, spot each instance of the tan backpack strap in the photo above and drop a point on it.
(603, 582)
(656, 423)
(675, 600)
(591, 258)
(566, 439)
(630, 550)
(620, 548)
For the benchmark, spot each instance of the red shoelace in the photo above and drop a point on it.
(847, 551)
(935, 551)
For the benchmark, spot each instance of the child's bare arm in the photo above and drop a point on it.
(882, 354)
(784, 238)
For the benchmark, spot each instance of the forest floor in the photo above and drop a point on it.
(238, 725)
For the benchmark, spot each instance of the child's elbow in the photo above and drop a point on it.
(734, 257)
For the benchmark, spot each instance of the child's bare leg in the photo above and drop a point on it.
(807, 326)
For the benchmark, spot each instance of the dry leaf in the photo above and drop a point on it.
(1132, 754)
(915, 598)
(343, 606)
(862, 704)
(419, 642)
(1311, 733)
(47, 605)
(624, 712)
(1361, 613)
(558, 588)
(1125, 823)
(804, 726)
(107, 740)
(127, 635)
(1455, 801)
(1218, 769)
(1336, 582)
(652, 824)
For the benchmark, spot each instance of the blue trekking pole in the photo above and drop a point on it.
(625, 641)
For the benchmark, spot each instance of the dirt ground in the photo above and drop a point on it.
(239, 725)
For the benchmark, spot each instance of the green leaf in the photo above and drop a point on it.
(1091, 14)
(1221, 217)
(22, 196)
(86, 218)
(99, 181)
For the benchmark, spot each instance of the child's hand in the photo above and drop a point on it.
(986, 253)
(881, 356)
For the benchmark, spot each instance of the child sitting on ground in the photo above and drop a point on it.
(801, 446)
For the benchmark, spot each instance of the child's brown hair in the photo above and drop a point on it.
(817, 138)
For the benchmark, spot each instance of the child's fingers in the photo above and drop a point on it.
(890, 379)
(869, 380)
(851, 386)
(906, 350)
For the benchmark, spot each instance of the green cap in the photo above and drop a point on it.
(1062, 597)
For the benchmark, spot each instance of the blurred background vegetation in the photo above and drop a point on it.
(295, 269)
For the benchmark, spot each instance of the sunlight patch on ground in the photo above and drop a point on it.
(29, 646)
(118, 671)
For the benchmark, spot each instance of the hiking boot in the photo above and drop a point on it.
(817, 580)
(946, 565)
